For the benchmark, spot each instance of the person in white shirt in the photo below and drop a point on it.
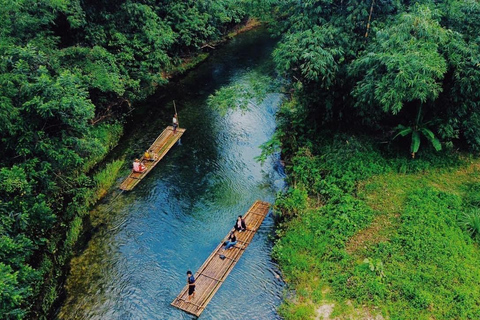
(138, 166)
(175, 123)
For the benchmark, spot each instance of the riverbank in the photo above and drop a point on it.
(188, 63)
(367, 233)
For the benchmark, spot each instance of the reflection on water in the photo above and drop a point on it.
(135, 265)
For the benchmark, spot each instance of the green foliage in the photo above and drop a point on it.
(416, 54)
(251, 89)
(296, 311)
(312, 55)
(49, 297)
(12, 294)
(100, 140)
(472, 196)
(471, 222)
(290, 203)
(106, 178)
(99, 68)
(73, 233)
(430, 240)
(387, 237)
(272, 146)
(292, 125)
(415, 131)
(404, 63)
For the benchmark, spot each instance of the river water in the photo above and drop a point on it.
(134, 265)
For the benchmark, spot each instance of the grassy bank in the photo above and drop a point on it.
(104, 137)
(368, 234)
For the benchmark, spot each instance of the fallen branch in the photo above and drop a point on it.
(207, 45)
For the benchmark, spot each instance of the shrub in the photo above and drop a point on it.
(471, 222)
(290, 203)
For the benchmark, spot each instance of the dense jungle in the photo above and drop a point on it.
(378, 132)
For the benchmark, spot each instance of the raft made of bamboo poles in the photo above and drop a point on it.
(215, 270)
(165, 141)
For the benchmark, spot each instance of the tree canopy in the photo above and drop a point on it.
(378, 64)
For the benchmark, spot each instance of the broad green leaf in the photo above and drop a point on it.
(436, 144)
(403, 132)
(415, 142)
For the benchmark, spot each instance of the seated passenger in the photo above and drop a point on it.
(232, 241)
(240, 224)
(149, 155)
(138, 166)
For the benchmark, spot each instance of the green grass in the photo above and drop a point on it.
(388, 237)
(105, 178)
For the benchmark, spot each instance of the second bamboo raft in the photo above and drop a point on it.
(164, 142)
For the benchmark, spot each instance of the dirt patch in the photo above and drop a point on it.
(249, 25)
(324, 311)
(374, 234)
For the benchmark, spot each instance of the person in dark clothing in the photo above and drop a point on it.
(240, 224)
(191, 285)
(232, 240)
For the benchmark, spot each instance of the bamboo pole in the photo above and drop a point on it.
(369, 18)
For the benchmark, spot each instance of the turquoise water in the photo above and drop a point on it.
(134, 265)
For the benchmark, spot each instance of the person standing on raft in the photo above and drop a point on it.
(175, 123)
(191, 285)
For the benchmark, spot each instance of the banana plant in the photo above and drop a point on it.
(416, 130)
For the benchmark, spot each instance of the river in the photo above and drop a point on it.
(134, 265)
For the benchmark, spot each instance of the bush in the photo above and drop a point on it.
(471, 222)
(290, 203)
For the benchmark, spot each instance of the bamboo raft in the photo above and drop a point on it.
(215, 270)
(160, 147)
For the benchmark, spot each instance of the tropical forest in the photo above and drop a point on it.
(356, 124)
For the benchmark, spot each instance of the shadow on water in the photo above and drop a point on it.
(135, 266)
